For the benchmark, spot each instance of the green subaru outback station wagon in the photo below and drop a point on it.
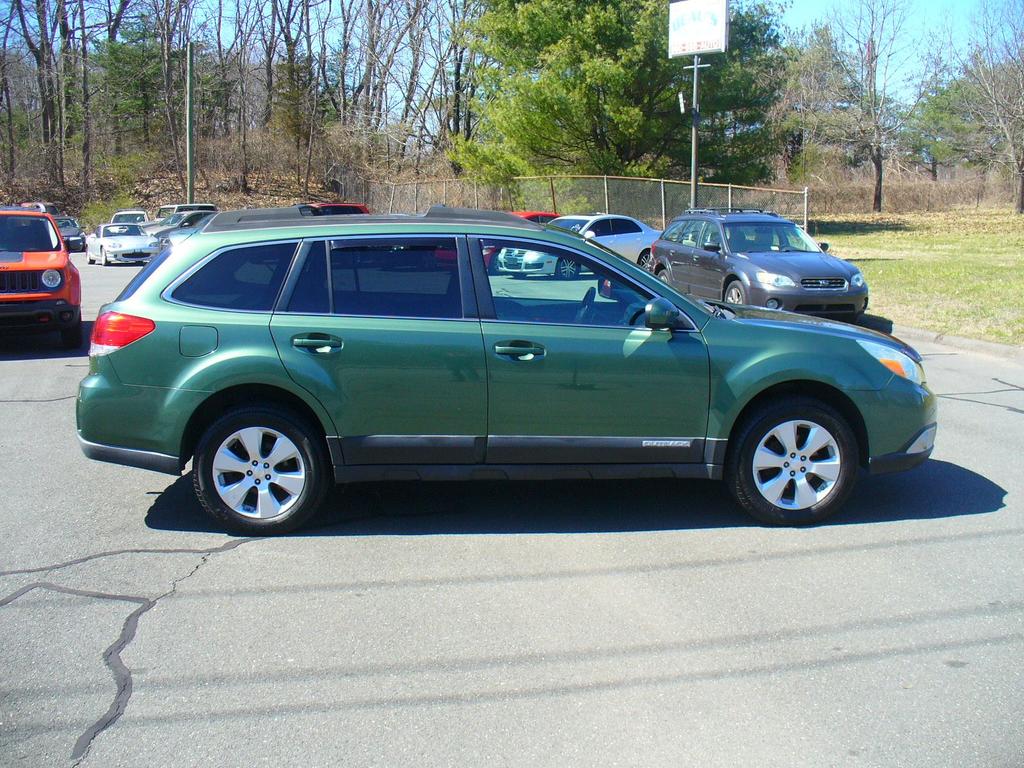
(281, 354)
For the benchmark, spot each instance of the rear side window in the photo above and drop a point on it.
(624, 227)
(247, 279)
(411, 278)
(601, 227)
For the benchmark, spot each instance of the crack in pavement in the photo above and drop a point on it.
(226, 547)
(112, 655)
(44, 400)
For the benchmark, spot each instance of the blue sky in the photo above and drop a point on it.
(930, 20)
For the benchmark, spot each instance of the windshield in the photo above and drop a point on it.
(765, 236)
(27, 233)
(66, 223)
(572, 223)
(129, 218)
(122, 230)
(174, 218)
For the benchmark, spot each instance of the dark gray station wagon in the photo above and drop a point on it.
(756, 258)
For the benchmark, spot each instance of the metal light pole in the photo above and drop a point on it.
(695, 123)
(190, 143)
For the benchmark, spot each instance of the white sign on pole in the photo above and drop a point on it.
(697, 26)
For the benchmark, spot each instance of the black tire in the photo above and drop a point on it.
(644, 259)
(739, 470)
(307, 439)
(663, 275)
(567, 269)
(71, 338)
(734, 293)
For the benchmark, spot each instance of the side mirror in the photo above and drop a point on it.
(713, 247)
(823, 246)
(661, 314)
(589, 234)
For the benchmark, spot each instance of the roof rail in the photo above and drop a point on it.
(726, 210)
(259, 218)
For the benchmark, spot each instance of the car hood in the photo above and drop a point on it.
(796, 265)
(790, 320)
(19, 260)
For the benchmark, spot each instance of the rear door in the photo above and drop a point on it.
(628, 238)
(383, 331)
(571, 369)
(684, 255)
(709, 265)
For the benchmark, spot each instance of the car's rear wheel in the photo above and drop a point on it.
(261, 470)
(793, 462)
(663, 275)
(644, 259)
(735, 293)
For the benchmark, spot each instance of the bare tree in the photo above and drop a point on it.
(848, 79)
(994, 67)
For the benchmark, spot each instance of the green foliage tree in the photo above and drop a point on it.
(587, 87)
(131, 83)
(942, 133)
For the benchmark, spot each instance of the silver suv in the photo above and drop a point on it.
(757, 258)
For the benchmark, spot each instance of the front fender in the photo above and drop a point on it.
(746, 360)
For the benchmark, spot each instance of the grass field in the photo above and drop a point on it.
(959, 273)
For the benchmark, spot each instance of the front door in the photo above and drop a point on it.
(377, 330)
(575, 377)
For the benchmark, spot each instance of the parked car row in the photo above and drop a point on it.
(738, 257)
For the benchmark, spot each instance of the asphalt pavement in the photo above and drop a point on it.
(537, 624)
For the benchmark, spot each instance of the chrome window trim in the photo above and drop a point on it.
(630, 281)
(167, 293)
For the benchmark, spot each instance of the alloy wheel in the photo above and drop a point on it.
(258, 472)
(796, 465)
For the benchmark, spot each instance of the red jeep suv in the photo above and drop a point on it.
(40, 289)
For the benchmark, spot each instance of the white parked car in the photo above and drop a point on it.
(626, 236)
(120, 243)
(130, 216)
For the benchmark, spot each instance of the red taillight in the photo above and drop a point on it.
(114, 330)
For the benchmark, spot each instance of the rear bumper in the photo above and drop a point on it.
(129, 457)
(914, 453)
(38, 316)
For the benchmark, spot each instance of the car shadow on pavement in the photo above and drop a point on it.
(42, 346)
(937, 489)
(876, 323)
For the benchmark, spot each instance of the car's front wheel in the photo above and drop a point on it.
(103, 258)
(793, 462)
(261, 470)
(735, 293)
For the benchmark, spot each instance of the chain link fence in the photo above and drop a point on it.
(655, 201)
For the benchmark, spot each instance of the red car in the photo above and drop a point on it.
(540, 217)
(332, 209)
(40, 289)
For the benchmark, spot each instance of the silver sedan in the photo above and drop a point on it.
(626, 236)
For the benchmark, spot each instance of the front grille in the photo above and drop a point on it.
(21, 282)
(824, 283)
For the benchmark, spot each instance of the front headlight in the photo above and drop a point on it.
(779, 281)
(154, 244)
(898, 362)
(857, 281)
(51, 278)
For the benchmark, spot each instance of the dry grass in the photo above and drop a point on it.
(959, 272)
